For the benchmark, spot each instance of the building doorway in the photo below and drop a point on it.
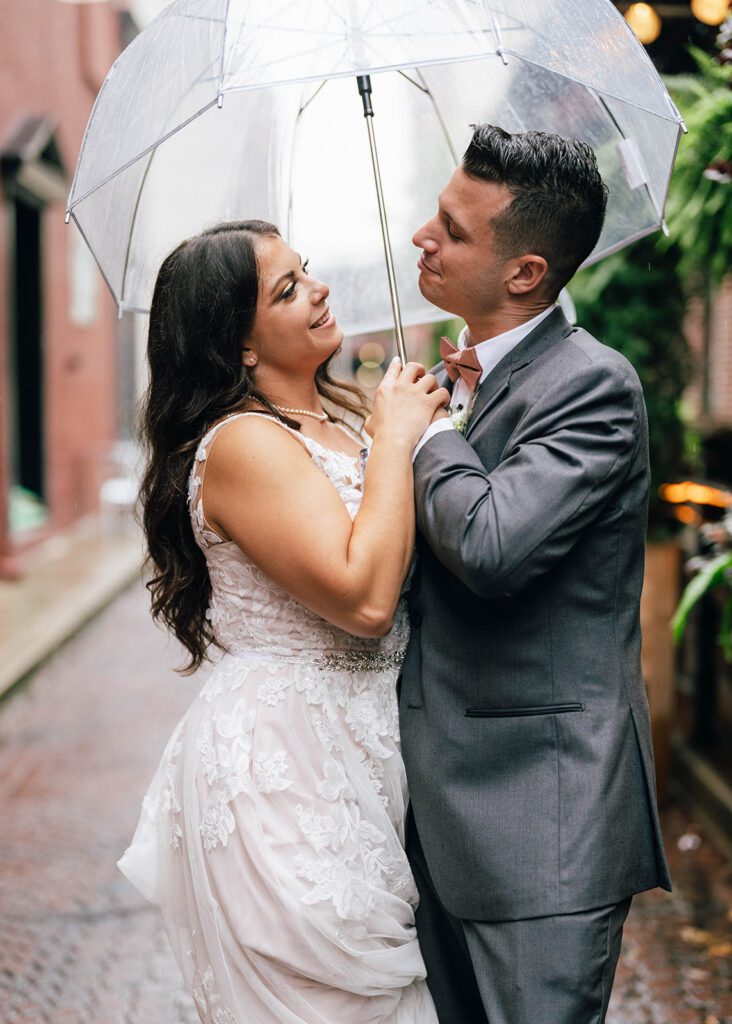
(32, 177)
(27, 491)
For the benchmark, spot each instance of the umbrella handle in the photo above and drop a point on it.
(364, 88)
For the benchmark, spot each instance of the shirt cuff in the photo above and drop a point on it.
(434, 428)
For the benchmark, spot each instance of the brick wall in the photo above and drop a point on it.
(53, 59)
(721, 356)
(710, 395)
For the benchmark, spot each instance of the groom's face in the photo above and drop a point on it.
(460, 270)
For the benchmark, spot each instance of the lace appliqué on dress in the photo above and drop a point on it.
(272, 836)
(208, 1002)
(225, 748)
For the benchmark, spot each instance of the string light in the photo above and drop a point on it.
(687, 515)
(645, 22)
(711, 12)
(697, 494)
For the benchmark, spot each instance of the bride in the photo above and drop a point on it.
(272, 834)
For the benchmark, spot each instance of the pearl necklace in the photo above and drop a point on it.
(320, 416)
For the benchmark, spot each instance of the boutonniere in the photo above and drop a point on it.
(459, 417)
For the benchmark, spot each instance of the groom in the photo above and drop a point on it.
(524, 721)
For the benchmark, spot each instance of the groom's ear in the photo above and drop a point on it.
(526, 274)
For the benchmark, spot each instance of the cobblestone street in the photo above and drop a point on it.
(78, 744)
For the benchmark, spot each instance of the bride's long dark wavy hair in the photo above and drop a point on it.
(202, 310)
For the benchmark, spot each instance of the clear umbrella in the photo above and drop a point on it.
(225, 109)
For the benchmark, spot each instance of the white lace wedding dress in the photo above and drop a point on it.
(272, 834)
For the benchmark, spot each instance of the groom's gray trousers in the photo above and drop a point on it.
(549, 970)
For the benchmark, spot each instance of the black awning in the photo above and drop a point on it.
(31, 167)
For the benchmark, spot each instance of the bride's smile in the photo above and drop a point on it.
(294, 326)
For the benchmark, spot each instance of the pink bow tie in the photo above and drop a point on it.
(461, 362)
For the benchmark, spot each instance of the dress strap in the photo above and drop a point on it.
(208, 438)
(204, 532)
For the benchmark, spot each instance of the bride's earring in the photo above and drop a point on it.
(249, 358)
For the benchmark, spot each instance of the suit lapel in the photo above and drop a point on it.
(498, 381)
(491, 390)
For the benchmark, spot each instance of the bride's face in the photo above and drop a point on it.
(293, 327)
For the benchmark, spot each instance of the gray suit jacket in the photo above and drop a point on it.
(524, 719)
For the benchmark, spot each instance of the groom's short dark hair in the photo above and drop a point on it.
(559, 200)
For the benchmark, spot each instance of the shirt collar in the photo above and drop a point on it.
(491, 351)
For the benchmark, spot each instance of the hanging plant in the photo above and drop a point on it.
(700, 201)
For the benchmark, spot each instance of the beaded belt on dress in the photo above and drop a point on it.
(333, 660)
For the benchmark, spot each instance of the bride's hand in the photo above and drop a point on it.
(405, 403)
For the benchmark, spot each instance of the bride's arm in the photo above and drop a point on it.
(263, 489)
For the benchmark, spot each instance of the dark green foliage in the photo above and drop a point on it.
(634, 302)
(715, 571)
(699, 209)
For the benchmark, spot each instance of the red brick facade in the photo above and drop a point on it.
(53, 59)
(710, 336)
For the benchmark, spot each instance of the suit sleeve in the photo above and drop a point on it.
(499, 531)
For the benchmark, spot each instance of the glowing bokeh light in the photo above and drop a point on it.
(645, 22)
(711, 12)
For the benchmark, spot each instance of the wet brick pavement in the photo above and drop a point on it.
(78, 744)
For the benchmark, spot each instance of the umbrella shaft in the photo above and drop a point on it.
(369, 115)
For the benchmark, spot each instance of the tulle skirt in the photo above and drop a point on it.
(272, 839)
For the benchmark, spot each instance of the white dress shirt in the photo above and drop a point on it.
(489, 353)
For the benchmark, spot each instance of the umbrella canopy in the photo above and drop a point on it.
(230, 109)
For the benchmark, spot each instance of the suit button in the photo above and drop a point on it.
(415, 619)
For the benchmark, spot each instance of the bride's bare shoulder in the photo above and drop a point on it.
(255, 440)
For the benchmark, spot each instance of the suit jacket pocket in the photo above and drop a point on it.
(520, 712)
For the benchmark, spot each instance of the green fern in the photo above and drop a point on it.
(699, 208)
(718, 570)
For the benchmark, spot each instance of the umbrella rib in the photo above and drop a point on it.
(355, 71)
(262, 24)
(97, 103)
(499, 37)
(386, 22)
(593, 88)
(308, 102)
(140, 155)
(372, 6)
(373, 69)
(83, 146)
(195, 17)
(438, 114)
(683, 130)
(223, 52)
(302, 53)
(440, 118)
(595, 257)
(494, 29)
(99, 265)
(267, 23)
(288, 29)
(422, 88)
(337, 14)
(133, 221)
(621, 133)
